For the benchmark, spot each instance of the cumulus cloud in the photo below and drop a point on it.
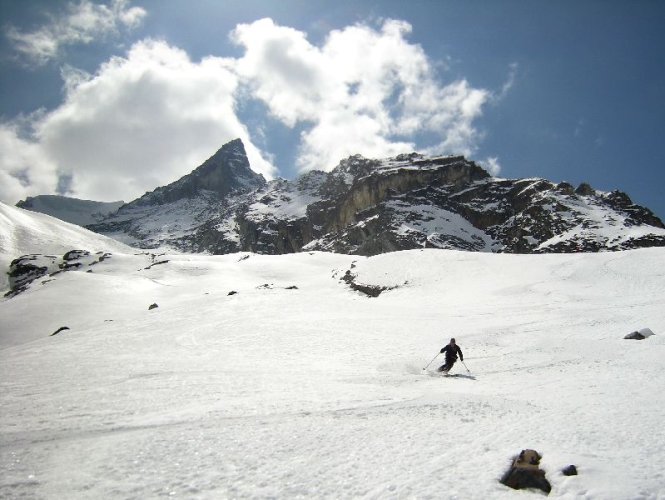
(82, 23)
(148, 118)
(364, 90)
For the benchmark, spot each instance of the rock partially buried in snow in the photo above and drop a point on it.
(570, 470)
(152, 306)
(525, 473)
(640, 334)
(62, 328)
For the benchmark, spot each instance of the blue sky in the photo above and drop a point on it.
(106, 100)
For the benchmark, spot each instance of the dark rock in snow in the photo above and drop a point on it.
(232, 292)
(152, 306)
(369, 290)
(26, 269)
(62, 328)
(570, 470)
(525, 473)
(639, 335)
(75, 255)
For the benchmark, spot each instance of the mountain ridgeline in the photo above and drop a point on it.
(367, 207)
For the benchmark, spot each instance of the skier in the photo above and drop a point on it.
(451, 350)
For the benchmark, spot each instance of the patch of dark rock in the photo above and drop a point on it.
(156, 264)
(369, 290)
(524, 472)
(89, 271)
(570, 470)
(244, 257)
(152, 306)
(75, 254)
(22, 272)
(66, 266)
(639, 334)
(265, 286)
(292, 287)
(565, 188)
(232, 292)
(585, 189)
(61, 329)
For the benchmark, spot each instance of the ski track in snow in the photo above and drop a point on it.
(319, 391)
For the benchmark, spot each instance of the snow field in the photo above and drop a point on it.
(319, 392)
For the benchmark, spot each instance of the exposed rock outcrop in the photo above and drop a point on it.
(28, 268)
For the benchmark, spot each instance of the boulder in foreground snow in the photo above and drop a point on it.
(525, 473)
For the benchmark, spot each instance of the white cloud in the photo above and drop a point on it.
(145, 119)
(140, 122)
(492, 165)
(507, 86)
(82, 23)
(24, 168)
(364, 90)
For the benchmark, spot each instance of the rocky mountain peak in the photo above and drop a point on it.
(227, 171)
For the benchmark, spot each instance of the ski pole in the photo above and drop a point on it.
(437, 354)
(467, 368)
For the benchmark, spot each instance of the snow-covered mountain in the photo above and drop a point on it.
(261, 376)
(81, 212)
(370, 207)
(25, 233)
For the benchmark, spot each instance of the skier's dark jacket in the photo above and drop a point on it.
(452, 352)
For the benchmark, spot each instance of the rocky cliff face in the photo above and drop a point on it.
(366, 206)
(369, 207)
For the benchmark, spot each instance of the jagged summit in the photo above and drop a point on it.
(171, 215)
(226, 171)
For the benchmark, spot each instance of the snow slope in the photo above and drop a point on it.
(318, 391)
(24, 232)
